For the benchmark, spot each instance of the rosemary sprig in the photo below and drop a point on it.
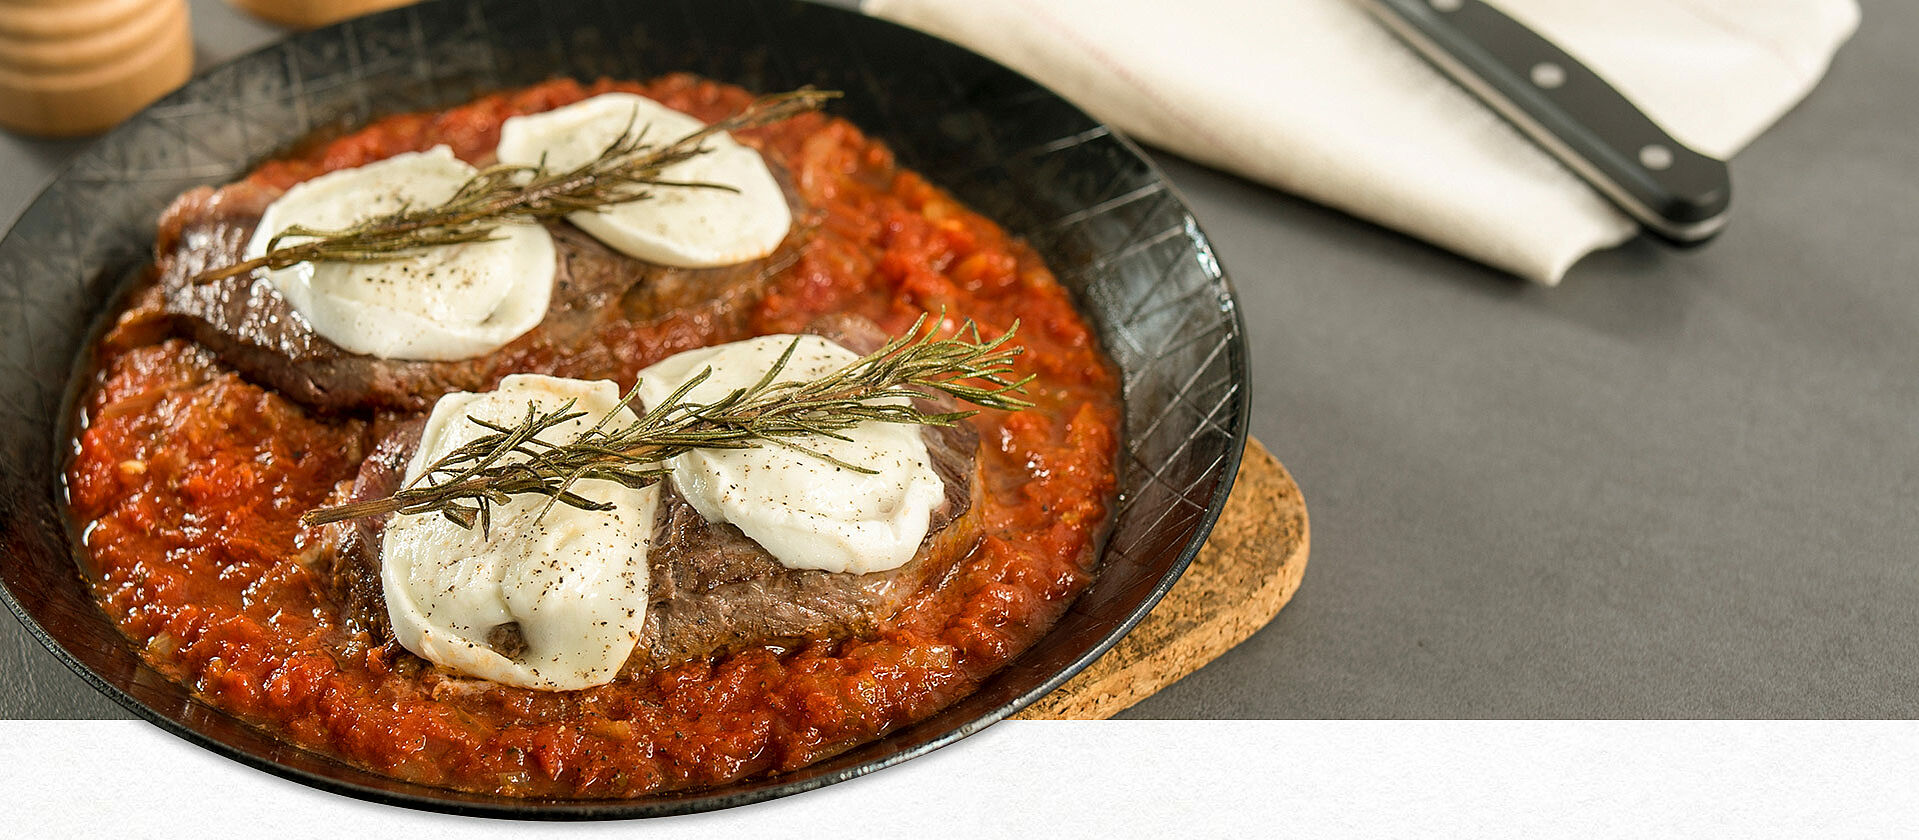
(512, 461)
(626, 170)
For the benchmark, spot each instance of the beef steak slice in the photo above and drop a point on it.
(713, 589)
(252, 328)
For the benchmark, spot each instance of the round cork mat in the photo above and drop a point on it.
(1248, 569)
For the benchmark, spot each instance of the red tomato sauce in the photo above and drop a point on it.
(189, 482)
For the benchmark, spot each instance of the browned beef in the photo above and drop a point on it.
(247, 322)
(349, 554)
(713, 589)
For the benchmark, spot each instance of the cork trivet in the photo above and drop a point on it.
(1248, 569)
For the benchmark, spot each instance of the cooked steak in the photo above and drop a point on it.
(246, 321)
(713, 589)
(349, 554)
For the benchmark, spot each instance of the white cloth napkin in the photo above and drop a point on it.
(1316, 98)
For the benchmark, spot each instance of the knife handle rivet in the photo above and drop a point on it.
(1548, 75)
(1655, 156)
(1447, 5)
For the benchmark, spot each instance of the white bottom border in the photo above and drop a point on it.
(1107, 779)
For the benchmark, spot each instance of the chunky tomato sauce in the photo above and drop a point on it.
(189, 482)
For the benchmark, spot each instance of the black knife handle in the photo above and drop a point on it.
(1570, 111)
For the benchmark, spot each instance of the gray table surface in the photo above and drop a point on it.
(1681, 484)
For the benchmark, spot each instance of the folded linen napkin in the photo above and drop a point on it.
(1315, 97)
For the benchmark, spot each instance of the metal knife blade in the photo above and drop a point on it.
(1566, 108)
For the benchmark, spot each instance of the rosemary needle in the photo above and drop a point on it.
(510, 461)
(626, 170)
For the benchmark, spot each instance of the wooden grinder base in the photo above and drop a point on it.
(1248, 569)
(306, 14)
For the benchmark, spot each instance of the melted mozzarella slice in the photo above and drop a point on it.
(574, 582)
(679, 226)
(807, 512)
(447, 303)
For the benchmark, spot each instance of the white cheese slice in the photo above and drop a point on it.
(679, 226)
(807, 512)
(446, 303)
(574, 581)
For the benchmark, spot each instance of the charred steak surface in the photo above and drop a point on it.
(254, 329)
(712, 588)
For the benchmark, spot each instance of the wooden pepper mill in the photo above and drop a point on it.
(306, 14)
(73, 67)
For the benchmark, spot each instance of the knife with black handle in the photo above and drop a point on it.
(1569, 111)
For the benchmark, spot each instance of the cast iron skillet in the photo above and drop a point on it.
(1102, 215)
